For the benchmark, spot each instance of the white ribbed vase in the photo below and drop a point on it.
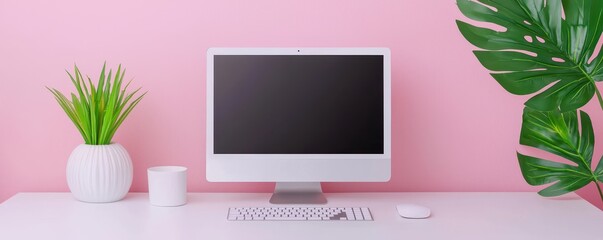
(99, 173)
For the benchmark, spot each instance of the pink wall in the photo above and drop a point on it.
(454, 128)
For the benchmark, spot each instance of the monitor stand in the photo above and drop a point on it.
(298, 193)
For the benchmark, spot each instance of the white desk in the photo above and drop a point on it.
(509, 216)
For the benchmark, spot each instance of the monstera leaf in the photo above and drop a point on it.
(558, 133)
(546, 46)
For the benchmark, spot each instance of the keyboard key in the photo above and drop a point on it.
(367, 214)
(285, 218)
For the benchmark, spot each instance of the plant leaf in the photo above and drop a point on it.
(82, 117)
(538, 171)
(93, 112)
(599, 170)
(557, 133)
(540, 52)
(101, 82)
(68, 108)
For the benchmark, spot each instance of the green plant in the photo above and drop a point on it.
(546, 48)
(98, 110)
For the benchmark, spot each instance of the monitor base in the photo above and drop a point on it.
(298, 193)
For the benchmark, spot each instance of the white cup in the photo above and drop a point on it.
(167, 186)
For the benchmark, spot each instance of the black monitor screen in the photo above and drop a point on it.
(304, 104)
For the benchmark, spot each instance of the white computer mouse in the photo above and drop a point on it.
(413, 211)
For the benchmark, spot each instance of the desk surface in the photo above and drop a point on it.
(454, 216)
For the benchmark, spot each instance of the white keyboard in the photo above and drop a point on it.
(299, 214)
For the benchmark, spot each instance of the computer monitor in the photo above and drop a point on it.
(298, 117)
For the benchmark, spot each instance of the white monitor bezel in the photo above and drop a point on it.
(298, 167)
